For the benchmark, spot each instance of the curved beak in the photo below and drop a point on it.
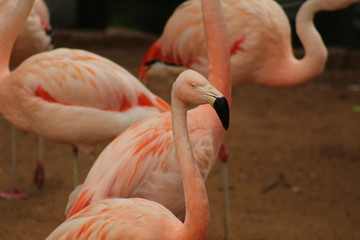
(221, 107)
(220, 104)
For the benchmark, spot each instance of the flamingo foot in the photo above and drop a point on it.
(13, 194)
(39, 175)
(223, 154)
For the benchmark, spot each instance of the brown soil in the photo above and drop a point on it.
(294, 164)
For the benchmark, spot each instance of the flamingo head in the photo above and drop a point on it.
(194, 89)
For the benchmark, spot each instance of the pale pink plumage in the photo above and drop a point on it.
(69, 96)
(75, 97)
(141, 162)
(260, 42)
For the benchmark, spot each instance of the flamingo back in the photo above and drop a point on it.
(118, 219)
(81, 78)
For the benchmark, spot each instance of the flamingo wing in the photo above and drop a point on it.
(115, 219)
(81, 78)
(129, 167)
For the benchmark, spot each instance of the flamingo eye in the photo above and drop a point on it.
(193, 85)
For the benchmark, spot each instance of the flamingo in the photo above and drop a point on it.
(141, 161)
(260, 42)
(69, 96)
(34, 37)
(136, 218)
(260, 46)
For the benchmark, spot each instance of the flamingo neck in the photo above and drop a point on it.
(292, 71)
(196, 201)
(219, 73)
(10, 30)
(218, 46)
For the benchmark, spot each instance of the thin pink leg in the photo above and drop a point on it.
(13, 193)
(39, 175)
(224, 156)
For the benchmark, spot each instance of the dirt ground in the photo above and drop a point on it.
(294, 156)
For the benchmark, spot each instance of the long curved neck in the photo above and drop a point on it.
(217, 46)
(219, 73)
(196, 201)
(294, 71)
(10, 30)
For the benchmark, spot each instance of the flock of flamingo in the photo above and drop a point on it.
(148, 183)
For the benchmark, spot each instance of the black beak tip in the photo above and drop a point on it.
(222, 109)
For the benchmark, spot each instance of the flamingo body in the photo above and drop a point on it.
(259, 31)
(260, 42)
(75, 97)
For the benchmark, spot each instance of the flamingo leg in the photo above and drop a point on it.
(224, 155)
(39, 174)
(75, 167)
(14, 192)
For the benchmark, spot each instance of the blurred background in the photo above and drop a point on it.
(341, 28)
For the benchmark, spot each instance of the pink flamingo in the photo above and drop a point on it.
(260, 46)
(260, 42)
(137, 218)
(34, 37)
(141, 161)
(69, 96)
